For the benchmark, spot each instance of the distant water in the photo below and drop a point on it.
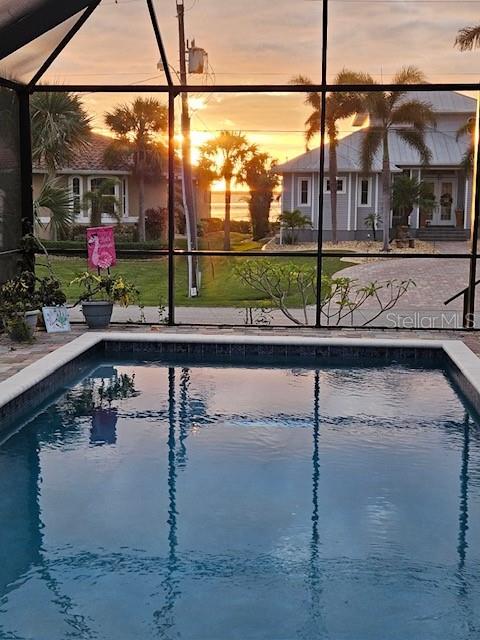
(239, 210)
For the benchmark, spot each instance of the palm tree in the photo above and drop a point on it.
(258, 174)
(407, 193)
(101, 199)
(58, 203)
(468, 38)
(60, 128)
(137, 127)
(293, 221)
(226, 155)
(393, 111)
(339, 106)
(468, 129)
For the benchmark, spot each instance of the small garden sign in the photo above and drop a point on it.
(56, 319)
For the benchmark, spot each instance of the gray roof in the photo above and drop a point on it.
(446, 151)
(445, 101)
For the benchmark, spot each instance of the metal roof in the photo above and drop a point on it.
(445, 101)
(446, 151)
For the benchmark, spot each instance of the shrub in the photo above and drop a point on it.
(214, 225)
(156, 223)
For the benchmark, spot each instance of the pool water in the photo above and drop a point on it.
(222, 503)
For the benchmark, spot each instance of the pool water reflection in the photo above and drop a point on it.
(193, 502)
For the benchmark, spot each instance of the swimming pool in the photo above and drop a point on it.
(179, 500)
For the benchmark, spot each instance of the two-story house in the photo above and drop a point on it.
(360, 194)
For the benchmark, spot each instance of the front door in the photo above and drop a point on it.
(444, 211)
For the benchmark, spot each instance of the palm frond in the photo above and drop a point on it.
(415, 139)
(371, 143)
(57, 201)
(60, 127)
(468, 38)
(469, 158)
(467, 129)
(409, 75)
(414, 112)
(312, 126)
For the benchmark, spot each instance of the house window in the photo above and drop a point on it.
(365, 195)
(304, 187)
(108, 187)
(340, 185)
(76, 193)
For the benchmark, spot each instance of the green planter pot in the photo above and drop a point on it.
(97, 314)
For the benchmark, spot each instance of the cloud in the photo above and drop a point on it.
(265, 41)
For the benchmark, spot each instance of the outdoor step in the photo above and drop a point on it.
(442, 234)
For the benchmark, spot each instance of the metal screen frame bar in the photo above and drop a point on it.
(174, 90)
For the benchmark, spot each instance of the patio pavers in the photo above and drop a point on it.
(14, 357)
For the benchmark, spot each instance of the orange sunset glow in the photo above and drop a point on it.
(253, 42)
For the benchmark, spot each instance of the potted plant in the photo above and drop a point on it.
(100, 293)
(19, 305)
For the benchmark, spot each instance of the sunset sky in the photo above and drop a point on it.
(260, 41)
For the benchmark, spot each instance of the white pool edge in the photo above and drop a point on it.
(467, 363)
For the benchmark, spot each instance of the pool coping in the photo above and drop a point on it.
(16, 392)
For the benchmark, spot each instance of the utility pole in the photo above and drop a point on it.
(187, 176)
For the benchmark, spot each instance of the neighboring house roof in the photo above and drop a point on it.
(348, 158)
(91, 159)
(446, 151)
(445, 101)
(445, 148)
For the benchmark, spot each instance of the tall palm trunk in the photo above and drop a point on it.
(333, 168)
(387, 190)
(141, 208)
(228, 201)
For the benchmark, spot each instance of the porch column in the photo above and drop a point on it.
(415, 222)
(465, 204)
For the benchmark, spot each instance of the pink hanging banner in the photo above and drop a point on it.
(101, 248)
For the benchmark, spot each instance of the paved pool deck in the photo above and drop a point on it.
(14, 357)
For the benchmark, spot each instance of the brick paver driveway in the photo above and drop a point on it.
(436, 280)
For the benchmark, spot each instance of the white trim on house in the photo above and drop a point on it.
(292, 193)
(349, 203)
(465, 215)
(326, 181)
(416, 221)
(377, 194)
(308, 180)
(355, 201)
(82, 214)
(369, 191)
(125, 199)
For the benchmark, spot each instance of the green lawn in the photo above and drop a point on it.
(220, 286)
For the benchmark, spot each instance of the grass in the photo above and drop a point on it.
(220, 286)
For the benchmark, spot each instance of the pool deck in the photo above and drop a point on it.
(14, 357)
